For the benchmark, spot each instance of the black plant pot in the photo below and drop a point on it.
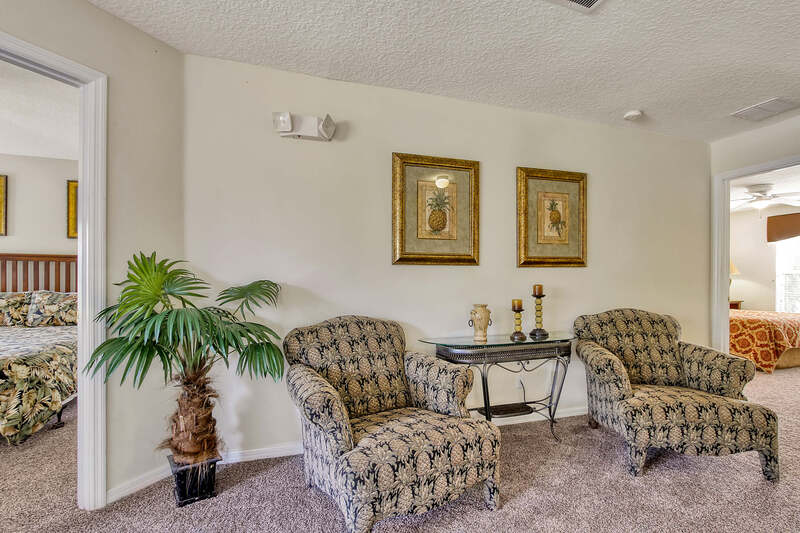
(194, 482)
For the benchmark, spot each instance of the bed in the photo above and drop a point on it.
(38, 341)
(770, 339)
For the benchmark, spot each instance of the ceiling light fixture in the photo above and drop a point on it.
(760, 204)
(442, 181)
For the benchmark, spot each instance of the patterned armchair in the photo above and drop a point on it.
(385, 433)
(657, 391)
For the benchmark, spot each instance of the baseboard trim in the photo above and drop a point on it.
(138, 483)
(560, 413)
(285, 449)
(278, 450)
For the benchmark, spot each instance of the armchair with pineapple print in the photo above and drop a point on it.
(659, 392)
(385, 432)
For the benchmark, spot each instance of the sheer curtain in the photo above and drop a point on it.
(787, 275)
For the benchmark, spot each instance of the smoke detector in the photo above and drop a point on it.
(579, 5)
(633, 114)
(765, 110)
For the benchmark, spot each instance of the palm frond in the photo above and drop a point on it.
(234, 336)
(257, 293)
(137, 356)
(260, 360)
(151, 283)
(155, 318)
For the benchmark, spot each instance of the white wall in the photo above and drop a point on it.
(38, 115)
(37, 204)
(754, 257)
(316, 217)
(761, 145)
(145, 187)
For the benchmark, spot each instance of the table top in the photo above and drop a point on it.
(498, 340)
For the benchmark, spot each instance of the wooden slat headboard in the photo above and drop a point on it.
(35, 272)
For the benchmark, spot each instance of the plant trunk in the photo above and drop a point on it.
(194, 432)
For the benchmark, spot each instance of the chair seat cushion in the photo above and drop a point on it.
(418, 456)
(695, 422)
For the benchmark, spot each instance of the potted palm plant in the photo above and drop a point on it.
(156, 318)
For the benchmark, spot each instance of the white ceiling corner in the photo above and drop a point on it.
(687, 64)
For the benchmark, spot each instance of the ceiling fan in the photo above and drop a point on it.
(759, 196)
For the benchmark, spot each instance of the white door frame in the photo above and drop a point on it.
(93, 86)
(721, 243)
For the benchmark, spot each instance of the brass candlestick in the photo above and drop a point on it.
(518, 336)
(538, 332)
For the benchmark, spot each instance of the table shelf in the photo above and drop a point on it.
(498, 351)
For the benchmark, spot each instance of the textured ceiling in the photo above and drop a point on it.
(38, 115)
(686, 63)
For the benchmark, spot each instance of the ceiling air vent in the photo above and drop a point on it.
(764, 110)
(580, 5)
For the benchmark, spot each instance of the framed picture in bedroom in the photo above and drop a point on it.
(72, 209)
(434, 210)
(551, 218)
(3, 205)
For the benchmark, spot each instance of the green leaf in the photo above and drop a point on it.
(155, 318)
(137, 356)
(255, 294)
(261, 360)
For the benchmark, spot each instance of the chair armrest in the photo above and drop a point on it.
(715, 372)
(437, 385)
(321, 406)
(605, 369)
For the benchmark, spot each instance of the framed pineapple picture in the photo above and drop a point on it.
(551, 218)
(434, 210)
(72, 209)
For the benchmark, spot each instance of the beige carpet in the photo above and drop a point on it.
(580, 484)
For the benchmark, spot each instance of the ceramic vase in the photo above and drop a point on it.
(480, 321)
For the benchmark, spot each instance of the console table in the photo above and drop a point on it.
(516, 357)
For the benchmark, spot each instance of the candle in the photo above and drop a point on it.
(538, 290)
(516, 305)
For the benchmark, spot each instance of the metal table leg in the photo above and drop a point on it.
(485, 382)
(559, 374)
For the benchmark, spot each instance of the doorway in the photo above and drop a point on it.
(91, 263)
(721, 249)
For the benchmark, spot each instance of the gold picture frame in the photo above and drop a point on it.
(551, 218)
(72, 209)
(447, 237)
(4, 205)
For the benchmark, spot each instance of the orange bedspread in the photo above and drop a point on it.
(763, 336)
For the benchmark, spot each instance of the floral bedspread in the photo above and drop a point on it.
(37, 373)
(21, 341)
(763, 336)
